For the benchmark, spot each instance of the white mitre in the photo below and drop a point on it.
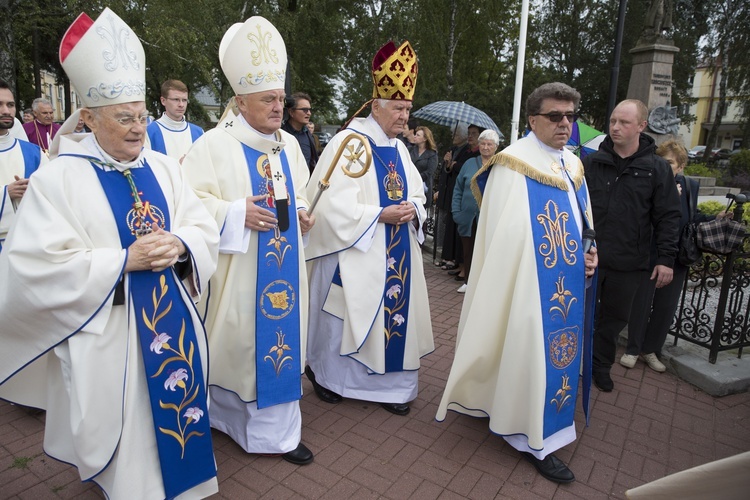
(253, 56)
(104, 60)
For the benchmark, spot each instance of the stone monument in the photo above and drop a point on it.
(653, 57)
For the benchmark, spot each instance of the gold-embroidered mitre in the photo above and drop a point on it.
(253, 56)
(394, 72)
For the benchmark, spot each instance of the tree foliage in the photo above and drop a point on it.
(466, 48)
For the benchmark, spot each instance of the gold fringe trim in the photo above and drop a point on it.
(526, 170)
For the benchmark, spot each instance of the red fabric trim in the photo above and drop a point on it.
(74, 34)
(383, 54)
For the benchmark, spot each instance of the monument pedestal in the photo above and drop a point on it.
(651, 76)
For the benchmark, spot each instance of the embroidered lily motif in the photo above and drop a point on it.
(277, 242)
(562, 397)
(183, 377)
(278, 350)
(564, 298)
(393, 310)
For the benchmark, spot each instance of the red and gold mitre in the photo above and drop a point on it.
(394, 72)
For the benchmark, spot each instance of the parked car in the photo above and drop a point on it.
(696, 153)
(323, 138)
(720, 153)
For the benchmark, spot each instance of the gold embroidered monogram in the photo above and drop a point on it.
(558, 241)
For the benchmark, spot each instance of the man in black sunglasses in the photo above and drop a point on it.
(300, 111)
(521, 335)
(633, 196)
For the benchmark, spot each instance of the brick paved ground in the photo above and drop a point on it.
(650, 426)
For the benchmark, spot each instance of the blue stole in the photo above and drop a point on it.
(394, 190)
(561, 279)
(168, 340)
(32, 155)
(277, 312)
(156, 136)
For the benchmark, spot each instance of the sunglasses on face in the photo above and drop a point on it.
(304, 110)
(556, 117)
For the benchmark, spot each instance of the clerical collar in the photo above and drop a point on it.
(545, 147)
(170, 123)
(377, 134)
(7, 139)
(270, 137)
(92, 146)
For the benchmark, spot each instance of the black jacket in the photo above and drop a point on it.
(626, 206)
(302, 135)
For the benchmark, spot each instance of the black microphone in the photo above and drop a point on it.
(588, 239)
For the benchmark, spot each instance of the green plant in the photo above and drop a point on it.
(21, 462)
(711, 207)
(702, 170)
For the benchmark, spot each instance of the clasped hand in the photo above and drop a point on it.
(155, 251)
(398, 214)
(17, 189)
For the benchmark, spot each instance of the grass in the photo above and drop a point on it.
(21, 462)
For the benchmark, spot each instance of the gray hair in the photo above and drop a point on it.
(554, 90)
(462, 130)
(490, 135)
(40, 100)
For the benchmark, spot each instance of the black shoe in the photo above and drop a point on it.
(396, 408)
(301, 455)
(551, 468)
(323, 393)
(603, 381)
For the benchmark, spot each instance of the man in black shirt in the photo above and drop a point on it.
(300, 111)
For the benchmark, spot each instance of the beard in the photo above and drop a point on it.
(6, 125)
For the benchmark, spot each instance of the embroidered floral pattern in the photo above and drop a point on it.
(562, 397)
(278, 350)
(564, 298)
(396, 277)
(182, 379)
(280, 247)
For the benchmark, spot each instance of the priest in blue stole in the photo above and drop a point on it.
(98, 279)
(369, 314)
(251, 177)
(18, 160)
(523, 337)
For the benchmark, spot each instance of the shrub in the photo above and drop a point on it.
(702, 170)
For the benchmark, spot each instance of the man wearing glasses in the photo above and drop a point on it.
(299, 116)
(521, 334)
(109, 250)
(172, 134)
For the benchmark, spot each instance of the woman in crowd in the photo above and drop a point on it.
(425, 158)
(465, 209)
(653, 309)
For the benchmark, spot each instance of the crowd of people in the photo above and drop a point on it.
(157, 281)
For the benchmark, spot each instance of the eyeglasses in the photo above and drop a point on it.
(129, 120)
(177, 99)
(556, 116)
(304, 110)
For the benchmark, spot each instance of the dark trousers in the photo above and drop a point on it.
(452, 249)
(615, 293)
(468, 249)
(652, 313)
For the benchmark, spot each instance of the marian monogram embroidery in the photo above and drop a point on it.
(118, 53)
(558, 241)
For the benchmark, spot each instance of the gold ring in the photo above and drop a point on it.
(262, 224)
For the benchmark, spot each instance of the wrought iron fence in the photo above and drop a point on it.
(714, 310)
